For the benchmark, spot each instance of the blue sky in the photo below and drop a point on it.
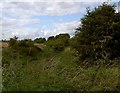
(41, 19)
(48, 21)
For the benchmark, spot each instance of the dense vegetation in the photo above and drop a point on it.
(87, 62)
(99, 35)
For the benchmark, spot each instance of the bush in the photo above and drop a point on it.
(12, 42)
(25, 47)
(30, 51)
(98, 36)
(58, 46)
(26, 43)
(50, 38)
(40, 40)
(59, 42)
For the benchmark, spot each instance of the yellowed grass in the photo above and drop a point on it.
(3, 44)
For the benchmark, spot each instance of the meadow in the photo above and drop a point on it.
(51, 71)
(88, 61)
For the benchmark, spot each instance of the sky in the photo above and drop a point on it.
(30, 20)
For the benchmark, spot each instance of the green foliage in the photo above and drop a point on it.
(59, 42)
(26, 43)
(40, 40)
(50, 38)
(58, 45)
(13, 42)
(98, 37)
(27, 47)
(27, 67)
(55, 72)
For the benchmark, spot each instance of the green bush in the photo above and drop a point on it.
(98, 36)
(12, 42)
(40, 40)
(26, 43)
(25, 47)
(30, 51)
(59, 42)
(58, 46)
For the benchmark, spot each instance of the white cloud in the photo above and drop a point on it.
(58, 0)
(68, 27)
(44, 8)
(18, 16)
(22, 33)
(8, 22)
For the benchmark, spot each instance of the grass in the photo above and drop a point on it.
(3, 44)
(50, 71)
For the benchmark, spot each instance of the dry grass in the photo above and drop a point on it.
(4, 44)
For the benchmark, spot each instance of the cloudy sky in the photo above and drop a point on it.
(41, 19)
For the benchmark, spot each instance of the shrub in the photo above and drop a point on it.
(40, 40)
(12, 42)
(98, 36)
(59, 42)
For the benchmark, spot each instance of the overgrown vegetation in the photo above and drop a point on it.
(99, 35)
(87, 62)
(59, 42)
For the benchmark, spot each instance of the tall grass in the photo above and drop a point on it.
(50, 71)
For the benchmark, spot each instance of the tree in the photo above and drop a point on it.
(64, 38)
(99, 35)
(59, 42)
(50, 38)
(13, 42)
(26, 43)
(40, 40)
(27, 47)
(66, 35)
